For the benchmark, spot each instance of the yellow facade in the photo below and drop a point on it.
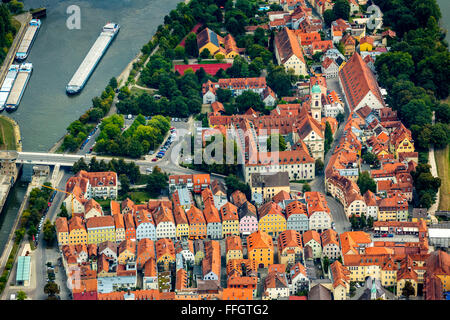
(230, 227)
(120, 235)
(288, 255)
(340, 292)
(445, 279)
(392, 215)
(360, 273)
(388, 278)
(365, 47)
(210, 46)
(182, 230)
(124, 256)
(166, 260)
(78, 236)
(99, 235)
(272, 224)
(262, 256)
(234, 254)
(404, 146)
(63, 238)
(269, 193)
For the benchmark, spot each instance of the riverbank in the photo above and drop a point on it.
(9, 134)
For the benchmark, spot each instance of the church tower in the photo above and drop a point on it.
(316, 103)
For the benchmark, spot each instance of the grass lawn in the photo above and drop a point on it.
(7, 138)
(137, 196)
(443, 166)
(138, 91)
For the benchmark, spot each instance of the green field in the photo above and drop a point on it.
(7, 138)
(443, 165)
(139, 91)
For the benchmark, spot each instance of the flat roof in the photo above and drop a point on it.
(23, 268)
(439, 233)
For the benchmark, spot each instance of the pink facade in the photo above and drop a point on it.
(248, 224)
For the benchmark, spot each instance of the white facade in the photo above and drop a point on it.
(332, 251)
(304, 171)
(333, 109)
(166, 229)
(146, 230)
(320, 220)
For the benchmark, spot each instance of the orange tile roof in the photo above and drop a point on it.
(289, 239)
(340, 274)
(100, 222)
(165, 247)
(61, 224)
(229, 212)
(311, 235)
(115, 207)
(233, 243)
(118, 221)
(329, 236)
(211, 262)
(259, 240)
(287, 45)
(269, 208)
(195, 216)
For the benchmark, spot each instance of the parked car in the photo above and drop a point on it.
(384, 235)
(390, 235)
(154, 159)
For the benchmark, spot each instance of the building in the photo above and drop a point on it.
(194, 182)
(213, 223)
(165, 223)
(119, 224)
(62, 231)
(311, 238)
(319, 213)
(181, 221)
(230, 219)
(275, 286)
(197, 223)
(393, 208)
(349, 44)
(215, 44)
(271, 219)
(100, 229)
(165, 253)
(330, 244)
(145, 252)
(330, 68)
(268, 185)
(260, 248)
(339, 275)
(211, 264)
(290, 247)
(296, 217)
(289, 53)
(233, 249)
(359, 84)
(126, 252)
(77, 231)
(248, 219)
(145, 225)
(298, 279)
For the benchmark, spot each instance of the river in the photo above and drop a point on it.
(45, 110)
(445, 20)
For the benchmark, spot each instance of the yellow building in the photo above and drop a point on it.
(182, 229)
(62, 231)
(366, 44)
(401, 141)
(260, 248)
(271, 219)
(208, 39)
(77, 231)
(388, 274)
(230, 219)
(126, 251)
(100, 229)
(233, 245)
(120, 227)
(269, 185)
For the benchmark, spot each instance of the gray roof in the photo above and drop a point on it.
(270, 180)
(319, 292)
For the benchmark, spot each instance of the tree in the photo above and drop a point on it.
(21, 295)
(326, 264)
(408, 289)
(233, 183)
(281, 142)
(365, 182)
(156, 182)
(340, 118)
(328, 17)
(306, 187)
(224, 95)
(205, 54)
(180, 52)
(249, 99)
(191, 45)
(49, 232)
(63, 211)
(51, 289)
(319, 166)
(341, 9)
(113, 83)
(371, 159)
(124, 183)
(328, 137)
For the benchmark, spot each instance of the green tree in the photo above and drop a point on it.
(191, 45)
(21, 295)
(249, 99)
(51, 289)
(341, 9)
(113, 83)
(328, 17)
(306, 187)
(365, 182)
(205, 54)
(319, 166)
(281, 142)
(224, 95)
(49, 232)
(124, 183)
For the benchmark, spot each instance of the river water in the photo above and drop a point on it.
(45, 110)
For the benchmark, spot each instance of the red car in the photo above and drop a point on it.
(154, 159)
(384, 235)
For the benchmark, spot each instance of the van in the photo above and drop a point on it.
(130, 116)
